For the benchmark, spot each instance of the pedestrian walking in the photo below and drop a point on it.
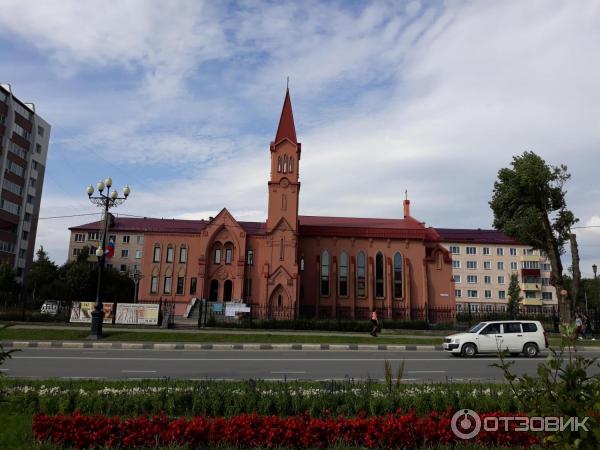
(374, 323)
(578, 326)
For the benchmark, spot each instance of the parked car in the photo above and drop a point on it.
(515, 336)
(51, 307)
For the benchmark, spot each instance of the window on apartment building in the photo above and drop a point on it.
(472, 279)
(156, 255)
(140, 239)
(500, 251)
(501, 295)
(38, 148)
(325, 273)
(32, 182)
(93, 235)
(170, 254)
(487, 293)
(474, 307)
(79, 237)
(513, 251)
(545, 281)
(167, 285)
(193, 285)
(500, 265)
(180, 285)
(343, 275)
(182, 254)
(250, 258)
(92, 250)
(25, 235)
(40, 130)
(513, 265)
(398, 275)
(124, 253)
(11, 207)
(126, 239)
(154, 284)
(29, 199)
(486, 250)
(500, 279)
(456, 278)
(471, 264)
(487, 265)
(138, 254)
(487, 279)
(379, 276)
(112, 237)
(530, 294)
(34, 164)
(546, 267)
(488, 308)
(123, 268)
(27, 217)
(528, 252)
(76, 251)
(530, 264)
(457, 293)
(22, 253)
(455, 249)
(546, 295)
(471, 250)
(471, 293)
(361, 275)
(455, 264)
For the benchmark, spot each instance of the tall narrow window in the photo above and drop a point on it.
(285, 164)
(279, 164)
(218, 255)
(154, 285)
(156, 256)
(361, 275)
(180, 285)
(228, 254)
(397, 275)
(182, 254)
(282, 249)
(193, 285)
(170, 252)
(291, 165)
(302, 264)
(343, 275)
(167, 287)
(250, 257)
(325, 273)
(379, 276)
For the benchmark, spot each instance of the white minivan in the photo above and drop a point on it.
(514, 336)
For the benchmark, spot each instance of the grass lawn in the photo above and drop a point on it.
(233, 338)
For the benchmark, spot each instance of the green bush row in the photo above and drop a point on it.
(215, 398)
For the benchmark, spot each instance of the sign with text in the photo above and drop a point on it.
(233, 308)
(82, 312)
(137, 313)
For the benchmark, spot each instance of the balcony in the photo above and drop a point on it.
(531, 286)
(530, 273)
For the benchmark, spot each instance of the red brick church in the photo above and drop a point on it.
(313, 266)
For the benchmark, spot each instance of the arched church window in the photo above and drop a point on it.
(228, 253)
(279, 300)
(285, 164)
(291, 165)
(361, 275)
(325, 273)
(282, 249)
(217, 254)
(397, 275)
(279, 164)
(379, 276)
(343, 275)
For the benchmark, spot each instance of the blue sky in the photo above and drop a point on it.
(180, 100)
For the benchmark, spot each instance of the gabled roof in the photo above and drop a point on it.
(286, 128)
(474, 236)
(152, 225)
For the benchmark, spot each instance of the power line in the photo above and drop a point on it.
(586, 226)
(94, 214)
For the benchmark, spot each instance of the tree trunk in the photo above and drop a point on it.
(576, 273)
(556, 278)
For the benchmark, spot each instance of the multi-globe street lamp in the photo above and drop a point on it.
(107, 200)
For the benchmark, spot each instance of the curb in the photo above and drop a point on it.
(216, 347)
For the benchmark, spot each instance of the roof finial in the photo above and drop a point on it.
(287, 86)
(405, 194)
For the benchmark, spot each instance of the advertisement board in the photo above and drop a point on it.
(233, 308)
(137, 314)
(82, 312)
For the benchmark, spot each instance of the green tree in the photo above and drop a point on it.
(514, 295)
(43, 277)
(8, 283)
(529, 205)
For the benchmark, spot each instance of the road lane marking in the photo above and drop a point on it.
(329, 359)
(287, 371)
(138, 371)
(425, 371)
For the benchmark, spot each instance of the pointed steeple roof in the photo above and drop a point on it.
(286, 128)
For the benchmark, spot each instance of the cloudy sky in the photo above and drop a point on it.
(180, 99)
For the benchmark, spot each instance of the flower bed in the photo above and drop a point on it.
(303, 431)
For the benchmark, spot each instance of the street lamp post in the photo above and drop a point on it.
(136, 276)
(107, 200)
(595, 269)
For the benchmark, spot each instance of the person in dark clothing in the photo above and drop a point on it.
(374, 323)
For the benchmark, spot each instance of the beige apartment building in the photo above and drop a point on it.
(482, 264)
(128, 240)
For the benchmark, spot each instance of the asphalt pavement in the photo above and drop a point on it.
(118, 364)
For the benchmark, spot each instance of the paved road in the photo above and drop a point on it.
(213, 364)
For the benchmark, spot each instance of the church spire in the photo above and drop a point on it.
(286, 128)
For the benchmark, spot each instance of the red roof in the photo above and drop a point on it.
(286, 128)
(323, 221)
(150, 225)
(477, 236)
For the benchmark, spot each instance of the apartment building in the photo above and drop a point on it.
(482, 264)
(128, 240)
(24, 138)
